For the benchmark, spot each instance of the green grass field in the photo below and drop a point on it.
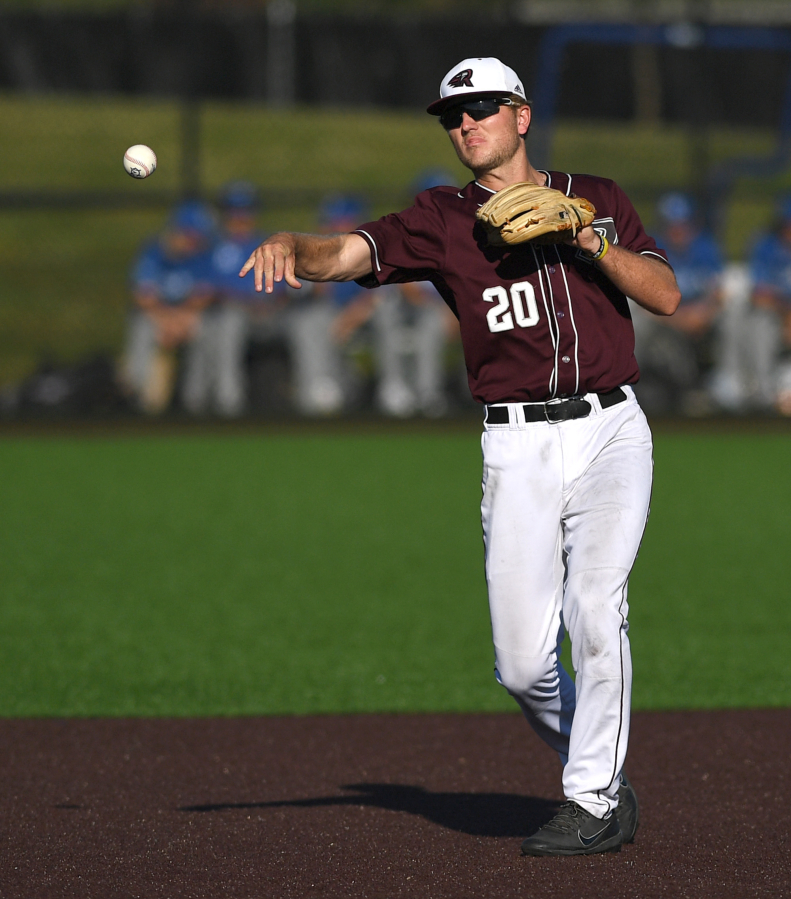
(326, 572)
(63, 288)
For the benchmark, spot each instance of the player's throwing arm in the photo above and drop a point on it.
(287, 256)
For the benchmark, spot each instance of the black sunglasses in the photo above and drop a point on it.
(476, 109)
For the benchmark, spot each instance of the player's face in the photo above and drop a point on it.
(239, 222)
(486, 144)
(184, 242)
(680, 234)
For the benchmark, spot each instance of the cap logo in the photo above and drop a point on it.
(461, 79)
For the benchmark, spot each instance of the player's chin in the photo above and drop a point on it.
(480, 163)
(483, 158)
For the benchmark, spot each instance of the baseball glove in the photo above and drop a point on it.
(526, 211)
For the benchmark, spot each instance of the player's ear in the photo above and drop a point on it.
(523, 118)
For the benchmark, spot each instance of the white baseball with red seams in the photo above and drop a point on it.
(140, 161)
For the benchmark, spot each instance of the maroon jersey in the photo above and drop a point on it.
(537, 321)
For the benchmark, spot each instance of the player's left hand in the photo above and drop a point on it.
(586, 240)
(528, 211)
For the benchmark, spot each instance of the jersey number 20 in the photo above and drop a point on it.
(523, 300)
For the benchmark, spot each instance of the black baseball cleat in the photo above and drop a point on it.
(574, 831)
(628, 810)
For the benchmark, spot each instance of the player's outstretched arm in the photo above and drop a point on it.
(288, 256)
(650, 282)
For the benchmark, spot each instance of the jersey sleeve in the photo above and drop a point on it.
(408, 245)
(631, 233)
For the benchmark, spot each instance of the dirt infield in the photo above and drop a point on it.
(428, 806)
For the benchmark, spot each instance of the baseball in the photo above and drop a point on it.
(140, 161)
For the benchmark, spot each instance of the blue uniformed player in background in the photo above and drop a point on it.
(236, 309)
(171, 288)
(412, 329)
(323, 322)
(406, 326)
(768, 323)
(755, 371)
(677, 353)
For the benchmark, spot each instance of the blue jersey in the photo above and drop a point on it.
(770, 266)
(697, 267)
(173, 280)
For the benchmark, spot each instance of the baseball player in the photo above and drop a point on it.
(567, 456)
(767, 328)
(674, 353)
(412, 331)
(320, 328)
(171, 289)
(225, 330)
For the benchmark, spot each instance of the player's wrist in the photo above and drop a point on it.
(601, 252)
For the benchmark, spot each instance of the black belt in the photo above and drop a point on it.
(561, 409)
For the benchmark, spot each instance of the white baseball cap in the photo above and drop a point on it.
(474, 79)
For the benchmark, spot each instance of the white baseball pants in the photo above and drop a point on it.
(564, 508)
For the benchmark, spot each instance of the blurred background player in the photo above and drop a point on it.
(406, 326)
(236, 313)
(411, 329)
(324, 321)
(170, 283)
(676, 354)
(767, 331)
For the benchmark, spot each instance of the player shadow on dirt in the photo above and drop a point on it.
(477, 814)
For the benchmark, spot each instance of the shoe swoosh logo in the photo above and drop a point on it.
(586, 841)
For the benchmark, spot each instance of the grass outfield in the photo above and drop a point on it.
(205, 575)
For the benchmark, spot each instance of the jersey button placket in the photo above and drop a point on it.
(566, 379)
